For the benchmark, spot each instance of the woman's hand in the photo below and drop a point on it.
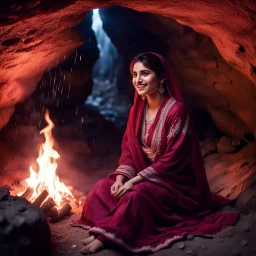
(128, 186)
(115, 187)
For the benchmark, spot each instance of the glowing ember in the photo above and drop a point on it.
(46, 178)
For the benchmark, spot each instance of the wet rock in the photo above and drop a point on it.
(190, 237)
(229, 145)
(4, 192)
(181, 246)
(23, 227)
(208, 147)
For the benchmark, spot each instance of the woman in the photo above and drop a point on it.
(159, 193)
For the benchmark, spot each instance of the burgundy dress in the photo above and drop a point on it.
(173, 200)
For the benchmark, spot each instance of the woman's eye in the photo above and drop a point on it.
(145, 73)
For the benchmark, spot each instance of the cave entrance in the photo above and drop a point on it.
(105, 96)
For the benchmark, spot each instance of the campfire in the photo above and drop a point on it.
(44, 188)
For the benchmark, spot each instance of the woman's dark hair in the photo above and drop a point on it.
(149, 60)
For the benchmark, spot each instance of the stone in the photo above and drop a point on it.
(208, 147)
(191, 253)
(20, 227)
(190, 237)
(244, 243)
(181, 246)
(246, 229)
(225, 145)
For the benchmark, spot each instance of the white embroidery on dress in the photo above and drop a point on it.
(175, 128)
(154, 149)
(178, 126)
(150, 174)
(81, 225)
(137, 249)
(126, 170)
(186, 129)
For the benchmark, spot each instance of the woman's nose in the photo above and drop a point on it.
(138, 80)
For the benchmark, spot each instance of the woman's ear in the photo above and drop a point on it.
(162, 81)
(162, 78)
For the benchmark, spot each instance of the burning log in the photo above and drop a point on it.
(47, 205)
(28, 193)
(38, 201)
(65, 210)
(56, 215)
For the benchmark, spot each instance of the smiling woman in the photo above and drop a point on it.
(161, 170)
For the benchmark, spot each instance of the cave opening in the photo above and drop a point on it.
(105, 96)
(88, 91)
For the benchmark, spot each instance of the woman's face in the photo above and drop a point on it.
(145, 80)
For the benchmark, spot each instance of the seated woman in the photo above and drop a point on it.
(159, 193)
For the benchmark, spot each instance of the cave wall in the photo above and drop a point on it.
(36, 36)
(30, 43)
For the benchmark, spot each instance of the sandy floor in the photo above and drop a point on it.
(237, 240)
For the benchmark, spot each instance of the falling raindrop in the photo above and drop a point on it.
(82, 121)
(76, 109)
(68, 90)
(75, 58)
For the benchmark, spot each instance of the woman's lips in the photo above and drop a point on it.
(141, 87)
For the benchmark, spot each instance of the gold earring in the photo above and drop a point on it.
(143, 97)
(161, 88)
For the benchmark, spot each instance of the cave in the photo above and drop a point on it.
(53, 60)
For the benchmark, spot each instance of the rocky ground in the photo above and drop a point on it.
(233, 241)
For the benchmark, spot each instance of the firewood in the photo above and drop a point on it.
(65, 210)
(47, 205)
(28, 193)
(54, 214)
(38, 201)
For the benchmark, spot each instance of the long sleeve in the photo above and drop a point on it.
(178, 148)
(126, 166)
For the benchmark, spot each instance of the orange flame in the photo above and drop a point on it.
(46, 178)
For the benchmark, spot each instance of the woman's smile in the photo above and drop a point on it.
(141, 87)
